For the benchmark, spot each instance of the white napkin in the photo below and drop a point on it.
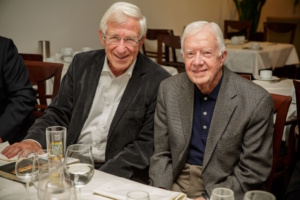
(2, 157)
(118, 189)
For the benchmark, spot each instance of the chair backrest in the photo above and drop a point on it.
(236, 28)
(246, 76)
(297, 92)
(279, 32)
(33, 57)
(173, 43)
(152, 35)
(39, 73)
(281, 107)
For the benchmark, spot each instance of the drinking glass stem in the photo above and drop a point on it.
(27, 192)
(79, 194)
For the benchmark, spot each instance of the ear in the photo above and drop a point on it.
(101, 38)
(223, 56)
(142, 41)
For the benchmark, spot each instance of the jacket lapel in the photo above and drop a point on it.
(129, 93)
(186, 108)
(225, 105)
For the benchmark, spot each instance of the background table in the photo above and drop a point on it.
(243, 59)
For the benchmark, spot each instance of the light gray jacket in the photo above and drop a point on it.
(238, 152)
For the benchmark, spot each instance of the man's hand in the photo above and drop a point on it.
(14, 149)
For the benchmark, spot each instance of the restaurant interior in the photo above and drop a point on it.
(51, 31)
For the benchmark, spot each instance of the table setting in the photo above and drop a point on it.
(62, 173)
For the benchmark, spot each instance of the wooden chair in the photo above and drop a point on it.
(236, 28)
(246, 76)
(295, 128)
(152, 35)
(39, 72)
(33, 57)
(171, 42)
(277, 32)
(281, 107)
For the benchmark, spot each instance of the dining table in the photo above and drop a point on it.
(242, 58)
(103, 186)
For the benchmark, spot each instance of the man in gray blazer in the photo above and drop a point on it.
(107, 99)
(212, 128)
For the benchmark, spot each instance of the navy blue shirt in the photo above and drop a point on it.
(204, 106)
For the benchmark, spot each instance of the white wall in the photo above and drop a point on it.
(75, 23)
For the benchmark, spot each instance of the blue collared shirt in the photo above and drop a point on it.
(204, 106)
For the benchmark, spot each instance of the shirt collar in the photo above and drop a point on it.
(128, 71)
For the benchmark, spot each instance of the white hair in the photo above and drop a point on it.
(198, 26)
(119, 11)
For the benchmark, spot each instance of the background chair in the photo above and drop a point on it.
(173, 43)
(282, 33)
(237, 28)
(246, 76)
(152, 35)
(281, 107)
(34, 57)
(279, 32)
(39, 72)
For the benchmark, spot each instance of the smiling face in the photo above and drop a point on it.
(120, 55)
(202, 61)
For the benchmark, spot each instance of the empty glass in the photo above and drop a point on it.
(259, 195)
(26, 167)
(222, 194)
(137, 195)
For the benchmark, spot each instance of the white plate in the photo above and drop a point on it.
(274, 78)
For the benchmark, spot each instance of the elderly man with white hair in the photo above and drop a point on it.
(212, 127)
(107, 99)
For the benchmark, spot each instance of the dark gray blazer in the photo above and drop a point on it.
(238, 152)
(130, 137)
(17, 97)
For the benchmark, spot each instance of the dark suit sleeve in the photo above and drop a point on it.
(17, 95)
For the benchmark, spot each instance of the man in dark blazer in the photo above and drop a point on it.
(129, 141)
(17, 98)
(212, 127)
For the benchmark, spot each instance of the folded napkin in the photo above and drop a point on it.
(118, 189)
(2, 157)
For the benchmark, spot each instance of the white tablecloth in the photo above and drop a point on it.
(241, 58)
(100, 182)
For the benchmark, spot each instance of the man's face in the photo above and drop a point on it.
(202, 61)
(120, 55)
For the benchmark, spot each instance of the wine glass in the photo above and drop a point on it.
(258, 194)
(26, 167)
(79, 165)
(222, 194)
(137, 195)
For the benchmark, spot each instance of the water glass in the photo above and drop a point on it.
(79, 165)
(56, 140)
(222, 194)
(258, 195)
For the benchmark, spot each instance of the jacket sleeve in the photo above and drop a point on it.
(20, 96)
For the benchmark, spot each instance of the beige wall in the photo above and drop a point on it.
(75, 23)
